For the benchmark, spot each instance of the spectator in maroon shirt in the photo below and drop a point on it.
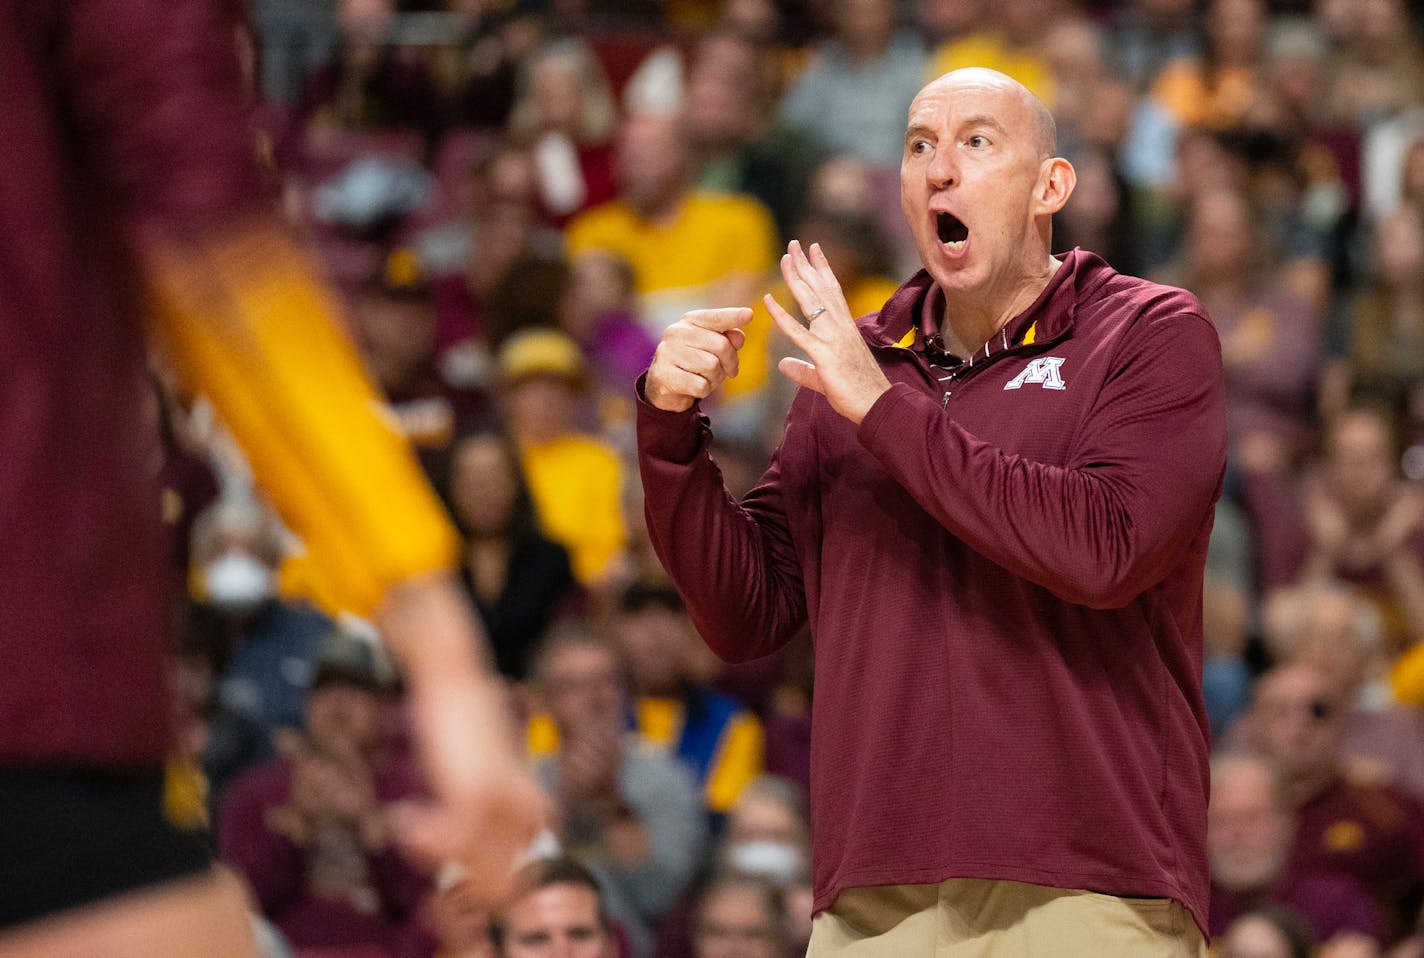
(310, 832)
(1365, 523)
(1372, 833)
(1250, 831)
(1335, 628)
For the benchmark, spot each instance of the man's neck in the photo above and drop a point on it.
(661, 210)
(970, 319)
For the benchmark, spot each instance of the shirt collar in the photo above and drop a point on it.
(1048, 317)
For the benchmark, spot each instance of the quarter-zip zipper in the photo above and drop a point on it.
(968, 369)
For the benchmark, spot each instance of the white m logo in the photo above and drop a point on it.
(1041, 372)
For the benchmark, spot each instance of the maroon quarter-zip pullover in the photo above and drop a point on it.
(1002, 572)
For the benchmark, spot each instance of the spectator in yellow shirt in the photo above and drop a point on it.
(576, 480)
(687, 246)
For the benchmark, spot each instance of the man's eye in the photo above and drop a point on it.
(920, 146)
(977, 141)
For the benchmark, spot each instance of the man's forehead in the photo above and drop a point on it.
(973, 92)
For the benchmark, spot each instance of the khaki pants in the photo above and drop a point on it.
(974, 918)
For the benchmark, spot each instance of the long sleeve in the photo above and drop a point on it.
(734, 563)
(1111, 523)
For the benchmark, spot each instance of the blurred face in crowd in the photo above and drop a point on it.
(1327, 635)
(723, 100)
(754, 19)
(651, 163)
(1412, 178)
(1299, 719)
(582, 685)
(1167, 11)
(977, 184)
(1237, 29)
(766, 838)
(398, 333)
(1025, 20)
(1381, 24)
(558, 96)
(948, 18)
(541, 407)
(763, 819)
(865, 26)
(1249, 832)
(558, 921)
(343, 718)
(1361, 464)
(1399, 246)
(736, 921)
(1255, 936)
(601, 283)
(1219, 234)
(484, 484)
(657, 644)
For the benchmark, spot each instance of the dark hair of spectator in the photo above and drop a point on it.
(523, 521)
(772, 900)
(549, 873)
(533, 292)
(571, 634)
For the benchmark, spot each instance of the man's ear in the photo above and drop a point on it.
(1056, 179)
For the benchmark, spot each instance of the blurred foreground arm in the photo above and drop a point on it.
(233, 302)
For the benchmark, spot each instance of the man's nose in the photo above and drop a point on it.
(943, 171)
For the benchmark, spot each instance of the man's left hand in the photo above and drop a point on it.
(841, 367)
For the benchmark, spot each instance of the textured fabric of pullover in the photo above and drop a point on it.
(1002, 573)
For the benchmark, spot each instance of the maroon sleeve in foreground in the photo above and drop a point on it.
(159, 92)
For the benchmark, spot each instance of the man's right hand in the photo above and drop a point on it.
(697, 353)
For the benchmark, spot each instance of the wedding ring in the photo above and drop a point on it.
(814, 313)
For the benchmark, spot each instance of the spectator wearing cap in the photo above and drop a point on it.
(576, 481)
(396, 322)
(309, 831)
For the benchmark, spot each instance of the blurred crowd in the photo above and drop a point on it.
(515, 197)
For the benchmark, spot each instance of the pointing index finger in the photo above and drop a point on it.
(720, 320)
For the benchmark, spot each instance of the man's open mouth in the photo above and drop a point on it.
(952, 232)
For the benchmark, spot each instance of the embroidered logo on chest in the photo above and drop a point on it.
(1040, 372)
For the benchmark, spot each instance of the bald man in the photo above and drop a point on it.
(991, 505)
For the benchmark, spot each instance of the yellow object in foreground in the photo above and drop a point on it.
(245, 323)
